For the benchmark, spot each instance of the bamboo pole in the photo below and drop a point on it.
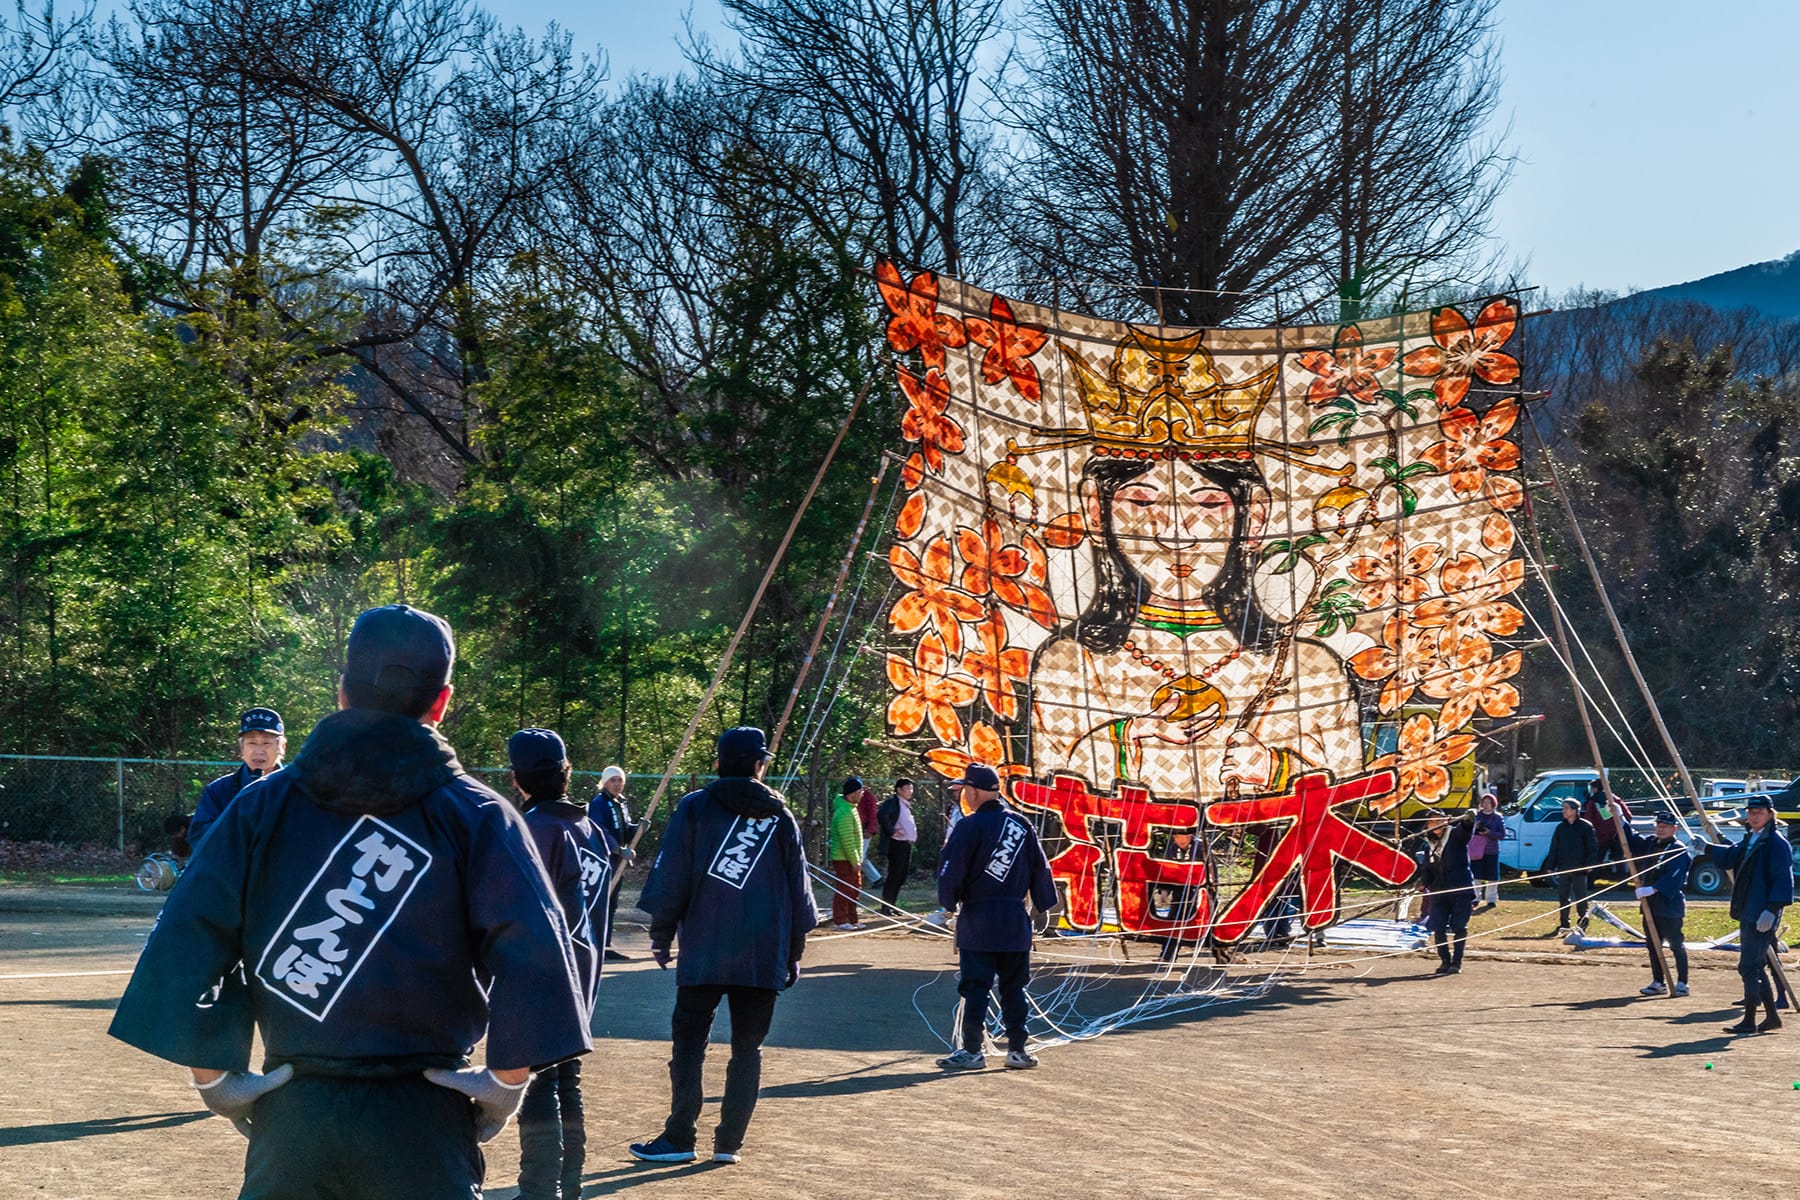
(1651, 938)
(712, 688)
(1662, 729)
(837, 587)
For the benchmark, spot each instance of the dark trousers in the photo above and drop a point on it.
(552, 1137)
(1753, 962)
(612, 909)
(1487, 867)
(1571, 889)
(980, 972)
(1447, 919)
(327, 1138)
(844, 888)
(899, 862)
(1669, 930)
(751, 1011)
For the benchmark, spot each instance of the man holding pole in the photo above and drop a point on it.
(1764, 866)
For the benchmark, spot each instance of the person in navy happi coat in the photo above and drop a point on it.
(991, 866)
(372, 912)
(577, 856)
(730, 887)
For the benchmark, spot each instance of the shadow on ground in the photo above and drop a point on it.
(69, 1131)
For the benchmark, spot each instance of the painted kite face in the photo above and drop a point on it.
(1174, 526)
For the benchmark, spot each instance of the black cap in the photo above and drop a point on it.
(977, 776)
(743, 742)
(536, 750)
(1760, 800)
(261, 720)
(851, 786)
(398, 646)
(1666, 817)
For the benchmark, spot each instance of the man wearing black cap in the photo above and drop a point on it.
(1663, 866)
(577, 856)
(992, 863)
(262, 741)
(388, 912)
(1764, 865)
(730, 884)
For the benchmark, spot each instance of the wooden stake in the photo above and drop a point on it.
(1662, 729)
(712, 688)
(1587, 727)
(818, 636)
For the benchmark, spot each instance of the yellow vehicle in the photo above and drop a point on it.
(1383, 737)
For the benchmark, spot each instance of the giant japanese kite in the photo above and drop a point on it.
(1163, 578)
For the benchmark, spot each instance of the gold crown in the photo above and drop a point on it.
(1167, 391)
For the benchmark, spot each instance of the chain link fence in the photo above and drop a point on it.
(128, 802)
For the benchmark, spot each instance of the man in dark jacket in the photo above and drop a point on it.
(262, 742)
(991, 865)
(899, 833)
(1764, 866)
(576, 854)
(1573, 850)
(1443, 858)
(730, 884)
(373, 912)
(1663, 866)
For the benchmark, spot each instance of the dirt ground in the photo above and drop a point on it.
(1522, 1077)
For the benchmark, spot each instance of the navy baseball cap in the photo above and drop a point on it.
(1760, 800)
(1665, 817)
(851, 786)
(743, 742)
(536, 749)
(401, 647)
(261, 720)
(977, 776)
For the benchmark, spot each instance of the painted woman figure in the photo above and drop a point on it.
(1150, 684)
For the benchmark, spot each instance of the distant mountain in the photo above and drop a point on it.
(1771, 288)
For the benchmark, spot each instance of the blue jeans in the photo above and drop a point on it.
(552, 1135)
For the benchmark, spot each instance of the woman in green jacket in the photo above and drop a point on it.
(846, 859)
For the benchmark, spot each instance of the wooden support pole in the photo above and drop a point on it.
(1662, 729)
(712, 688)
(837, 587)
(1587, 728)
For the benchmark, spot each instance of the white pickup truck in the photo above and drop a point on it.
(1532, 818)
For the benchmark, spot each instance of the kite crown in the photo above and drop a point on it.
(1167, 392)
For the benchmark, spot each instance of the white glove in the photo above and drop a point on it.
(1765, 922)
(495, 1102)
(234, 1094)
(1644, 893)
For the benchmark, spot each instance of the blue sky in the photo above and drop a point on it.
(1657, 139)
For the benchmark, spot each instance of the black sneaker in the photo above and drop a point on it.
(615, 956)
(662, 1150)
(724, 1156)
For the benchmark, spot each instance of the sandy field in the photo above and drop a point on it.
(1531, 1074)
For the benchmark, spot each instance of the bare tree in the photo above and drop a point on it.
(705, 257)
(241, 195)
(40, 70)
(883, 93)
(1194, 153)
(461, 121)
(1417, 166)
